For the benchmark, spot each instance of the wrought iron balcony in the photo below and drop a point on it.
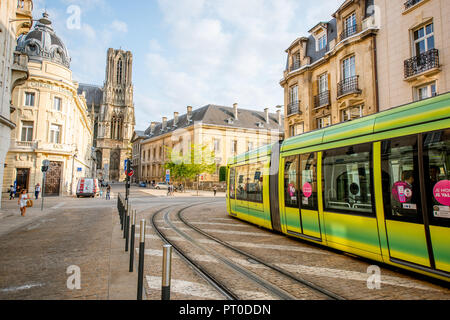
(410, 3)
(293, 108)
(349, 85)
(423, 62)
(295, 65)
(322, 99)
(349, 31)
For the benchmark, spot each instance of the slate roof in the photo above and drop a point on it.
(220, 115)
(94, 93)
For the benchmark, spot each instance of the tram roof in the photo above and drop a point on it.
(420, 112)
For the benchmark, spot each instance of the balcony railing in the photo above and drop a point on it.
(349, 31)
(410, 3)
(423, 62)
(295, 65)
(322, 99)
(293, 108)
(347, 86)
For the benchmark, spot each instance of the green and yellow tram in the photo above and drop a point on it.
(377, 187)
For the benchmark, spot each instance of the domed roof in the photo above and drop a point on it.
(42, 43)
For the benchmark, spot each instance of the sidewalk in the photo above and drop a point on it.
(38, 250)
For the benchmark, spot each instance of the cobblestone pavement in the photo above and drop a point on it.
(337, 272)
(36, 251)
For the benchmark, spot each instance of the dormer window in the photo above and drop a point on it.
(321, 42)
(295, 61)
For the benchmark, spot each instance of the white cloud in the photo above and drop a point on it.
(119, 26)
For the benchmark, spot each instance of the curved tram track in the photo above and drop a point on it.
(222, 279)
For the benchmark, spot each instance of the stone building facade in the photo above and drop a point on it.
(113, 110)
(52, 122)
(226, 131)
(330, 75)
(15, 20)
(413, 47)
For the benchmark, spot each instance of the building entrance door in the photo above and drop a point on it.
(22, 178)
(53, 179)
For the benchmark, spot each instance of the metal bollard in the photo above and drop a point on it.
(133, 231)
(127, 230)
(166, 276)
(141, 260)
(127, 210)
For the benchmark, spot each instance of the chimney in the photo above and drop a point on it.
(189, 113)
(279, 117)
(235, 105)
(175, 119)
(152, 127)
(266, 111)
(164, 123)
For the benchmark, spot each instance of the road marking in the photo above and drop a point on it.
(200, 290)
(59, 205)
(24, 287)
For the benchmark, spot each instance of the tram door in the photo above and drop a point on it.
(241, 191)
(300, 196)
(232, 190)
(309, 213)
(416, 195)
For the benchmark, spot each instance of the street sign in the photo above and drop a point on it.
(131, 173)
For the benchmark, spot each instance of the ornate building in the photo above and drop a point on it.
(15, 20)
(52, 122)
(113, 110)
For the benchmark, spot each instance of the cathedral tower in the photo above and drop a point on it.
(115, 121)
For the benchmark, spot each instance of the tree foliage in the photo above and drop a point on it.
(197, 160)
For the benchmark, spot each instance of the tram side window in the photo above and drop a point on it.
(241, 188)
(232, 182)
(436, 148)
(308, 181)
(255, 182)
(400, 178)
(290, 182)
(347, 176)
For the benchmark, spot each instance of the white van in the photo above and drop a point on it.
(87, 187)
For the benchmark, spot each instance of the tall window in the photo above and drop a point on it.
(57, 104)
(119, 71)
(232, 182)
(255, 182)
(348, 68)
(350, 25)
(216, 146)
(423, 39)
(293, 94)
(296, 129)
(323, 82)
(55, 133)
(27, 131)
(290, 182)
(29, 99)
(234, 146)
(249, 146)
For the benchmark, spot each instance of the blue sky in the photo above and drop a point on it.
(187, 52)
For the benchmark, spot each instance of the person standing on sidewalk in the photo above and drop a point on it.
(23, 197)
(12, 192)
(215, 190)
(37, 189)
(108, 192)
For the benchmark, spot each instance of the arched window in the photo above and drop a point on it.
(119, 71)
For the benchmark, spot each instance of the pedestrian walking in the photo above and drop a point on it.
(37, 189)
(23, 197)
(12, 192)
(215, 190)
(108, 192)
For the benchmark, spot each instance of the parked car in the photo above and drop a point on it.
(142, 184)
(162, 185)
(87, 187)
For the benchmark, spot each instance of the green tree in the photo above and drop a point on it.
(188, 166)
